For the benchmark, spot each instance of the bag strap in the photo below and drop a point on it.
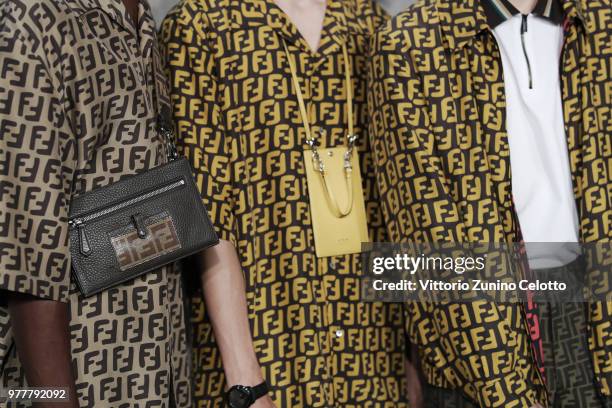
(318, 164)
(165, 126)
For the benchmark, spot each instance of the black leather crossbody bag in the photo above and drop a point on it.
(139, 224)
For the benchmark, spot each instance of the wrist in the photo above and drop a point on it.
(248, 376)
(240, 396)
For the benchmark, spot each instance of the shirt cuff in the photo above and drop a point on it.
(50, 281)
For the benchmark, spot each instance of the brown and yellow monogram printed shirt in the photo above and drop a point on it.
(78, 111)
(439, 136)
(238, 120)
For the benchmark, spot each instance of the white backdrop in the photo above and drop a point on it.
(161, 7)
(395, 6)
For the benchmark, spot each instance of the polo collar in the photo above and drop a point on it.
(463, 20)
(499, 11)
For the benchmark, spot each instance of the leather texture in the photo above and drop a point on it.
(336, 235)
(129, 228)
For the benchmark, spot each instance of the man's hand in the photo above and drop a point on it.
(42, 337)
(264, 402)
(413, 379)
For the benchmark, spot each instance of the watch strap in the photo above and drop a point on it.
(259, 390)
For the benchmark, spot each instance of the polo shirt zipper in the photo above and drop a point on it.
(524, 30)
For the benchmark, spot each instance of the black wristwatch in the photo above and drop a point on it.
(240, 396)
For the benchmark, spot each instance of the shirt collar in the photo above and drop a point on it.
(334, 25)
(115, 9)
(498, 11)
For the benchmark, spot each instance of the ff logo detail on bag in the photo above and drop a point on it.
(160, 239)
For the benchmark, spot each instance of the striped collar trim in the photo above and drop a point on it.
(498, 11)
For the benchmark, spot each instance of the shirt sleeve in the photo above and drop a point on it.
(418, 206)
(36, 167)
(202, 135)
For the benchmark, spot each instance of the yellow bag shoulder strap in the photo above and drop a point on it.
(317, 162)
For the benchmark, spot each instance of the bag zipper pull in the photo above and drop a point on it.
(84, 246)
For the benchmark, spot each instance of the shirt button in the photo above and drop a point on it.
(339, 333)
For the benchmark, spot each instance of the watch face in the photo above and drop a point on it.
(239, 397)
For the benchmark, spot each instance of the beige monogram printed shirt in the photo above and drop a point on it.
(77, 112)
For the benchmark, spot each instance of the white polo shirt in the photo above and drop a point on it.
(531, 48)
